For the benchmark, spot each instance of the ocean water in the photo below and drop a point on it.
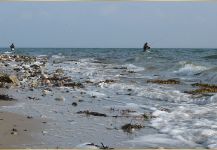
(190, 121)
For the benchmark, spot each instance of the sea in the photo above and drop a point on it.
(178, 119)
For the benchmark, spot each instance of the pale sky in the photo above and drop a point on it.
(109, 24)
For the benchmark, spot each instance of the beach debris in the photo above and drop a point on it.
(46, 82)
(131, 127)
(164, 109)
(61, 98)
(45, 92)
(169, 81)
(203, 89)
(121, 67)
(127, 111)
(17, 58)
(129, 89)
(5, 98)
(74, 104)
(14, 80)
(88, 113)
(33, 98)
(59, 71)
(146, 116)
(87, 81)
(34, 66)
(107, 81)
(205, 85)
(29, 117)
(104, 147)
(14, 131)
(2, 85)
(130, 71)
(44, 76)
(93, 146)
(4, 78)
(44, 132)
(74, 84)
(80, 100)
(34, 84)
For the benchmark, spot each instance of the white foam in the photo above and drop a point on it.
(158, 140)
(165, 95)
(132, 106)
(58, 56)
(123, 86)
(97, 94)
(86, 146)
(188, 123)
(88, 60)
(213, 98)
(39, 56)
(37, 63)
(17, 105)
(132, 67)
(190, 69)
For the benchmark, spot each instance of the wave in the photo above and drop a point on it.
(188, 68)
(160, 140)
(131, 67)
(201, 132)
(58, 56)
(209, 75)
(210, 57)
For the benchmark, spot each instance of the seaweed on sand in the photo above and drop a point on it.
(130, 127)
(5, 98)
(74, 84)
(5, 78)
(107, 81)
(102, 146)
(204, 88)
(202, 91)
(169, 81)
(205, 85)
(146, 116)
(87, 112)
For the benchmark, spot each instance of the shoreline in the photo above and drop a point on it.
(90, 102)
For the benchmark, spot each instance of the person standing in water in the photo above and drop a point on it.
(146, 47)
(12, 47)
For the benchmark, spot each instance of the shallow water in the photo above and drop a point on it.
(189, 122)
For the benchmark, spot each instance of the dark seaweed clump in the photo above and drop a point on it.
(87, 112)
(203, 89)
(129, 127)
(169, 81)
(5, 98)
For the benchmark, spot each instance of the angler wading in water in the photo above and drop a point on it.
(146, 47)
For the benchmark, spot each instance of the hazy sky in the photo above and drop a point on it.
(108, 24)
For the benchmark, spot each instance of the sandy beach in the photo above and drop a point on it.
(19, 131)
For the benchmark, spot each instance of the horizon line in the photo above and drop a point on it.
(111, 48)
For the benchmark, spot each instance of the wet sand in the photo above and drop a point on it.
(18, 130)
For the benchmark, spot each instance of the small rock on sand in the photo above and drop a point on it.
(61, 98)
